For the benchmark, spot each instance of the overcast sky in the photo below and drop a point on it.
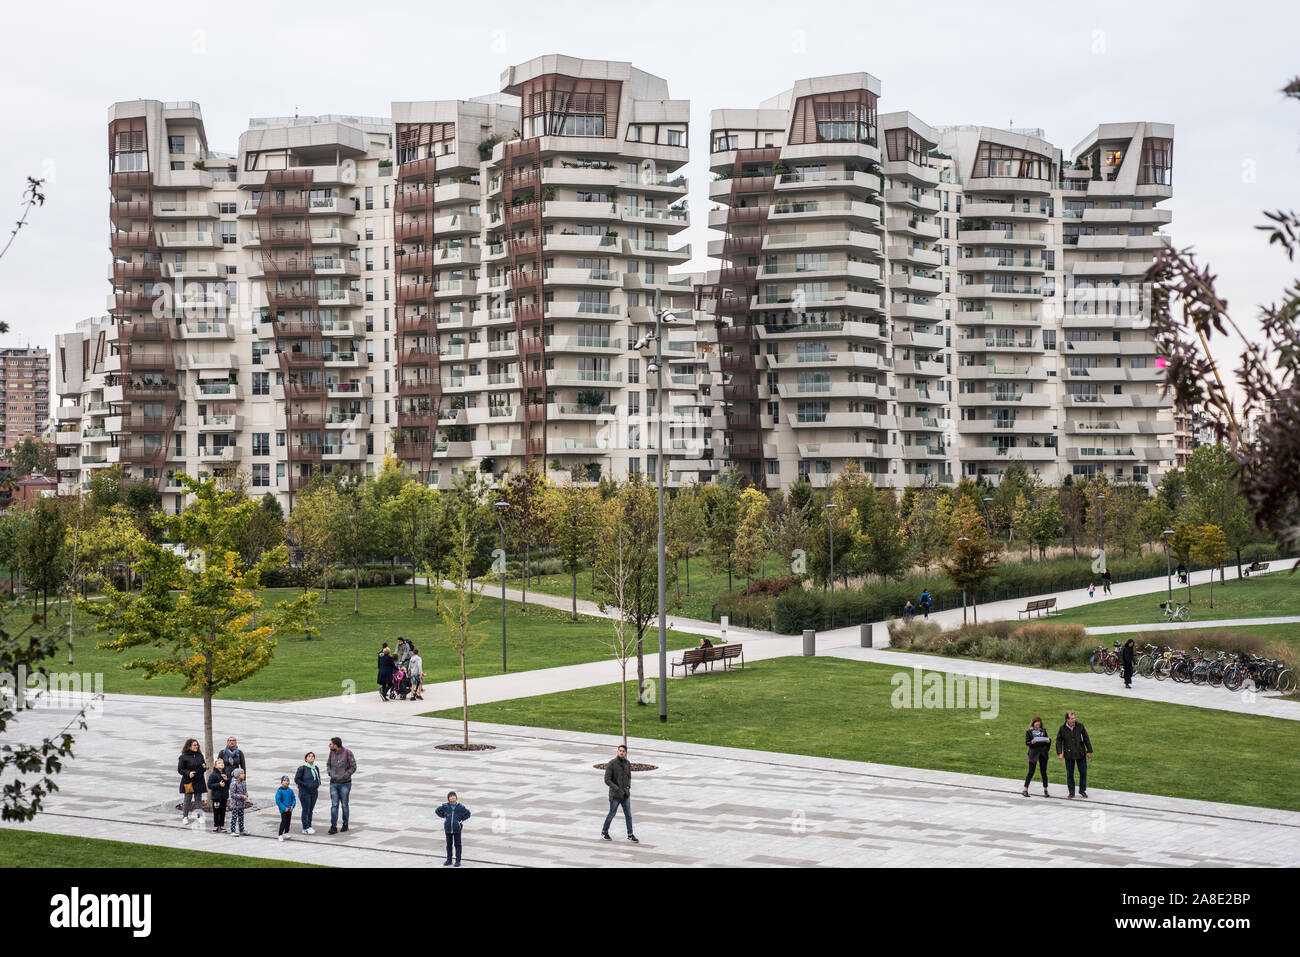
(1213, 70)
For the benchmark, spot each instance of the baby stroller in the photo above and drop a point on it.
(401, 686)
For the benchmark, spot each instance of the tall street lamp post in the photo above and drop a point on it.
(656, 366)
(963, 538)
(1169, 572)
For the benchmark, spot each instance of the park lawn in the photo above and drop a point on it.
(1267, 596)
(1284, 635)
(842, 709)
(706, 586)
(348, 646)
(35, 849)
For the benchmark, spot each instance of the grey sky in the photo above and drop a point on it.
(1212, 70)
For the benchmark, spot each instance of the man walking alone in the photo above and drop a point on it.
(618, 778)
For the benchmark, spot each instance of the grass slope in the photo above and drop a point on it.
(34, 849)
(842, 709)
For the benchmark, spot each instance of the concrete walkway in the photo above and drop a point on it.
(536, 800)
(840, 642)
(1184, 625)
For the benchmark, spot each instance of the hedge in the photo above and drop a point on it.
(800, 608)
(372, 576)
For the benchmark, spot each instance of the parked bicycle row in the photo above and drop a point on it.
(1226, 669)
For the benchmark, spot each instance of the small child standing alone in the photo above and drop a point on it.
(453, 815)
(238, 801)
(286, 802)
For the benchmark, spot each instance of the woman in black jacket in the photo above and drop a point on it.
(1126, 660)
(219, 788)
(1039, 742)
(386, 666)
(190, 766)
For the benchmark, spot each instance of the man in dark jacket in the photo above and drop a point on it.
(618, 778)
(1127, 661)
(453, 814)
(704, 643)
(1073, 746)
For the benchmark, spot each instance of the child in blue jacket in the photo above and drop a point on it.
(286, 802)
(453, 815)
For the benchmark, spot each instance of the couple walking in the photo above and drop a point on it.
(1072, 746)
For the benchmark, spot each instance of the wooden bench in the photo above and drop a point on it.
(706, 656)
(1043, 606)
(1254, 567)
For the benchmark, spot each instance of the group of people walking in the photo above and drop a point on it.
(226, 785)
(401, 673)
(1072, 746)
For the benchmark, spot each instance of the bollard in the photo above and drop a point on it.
(864, 635)
(809, 642)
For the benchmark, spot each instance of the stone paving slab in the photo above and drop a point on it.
(537, 801)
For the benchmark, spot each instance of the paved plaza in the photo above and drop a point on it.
(538, 801)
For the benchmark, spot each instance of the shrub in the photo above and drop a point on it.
(773, 586)
(1040, 644)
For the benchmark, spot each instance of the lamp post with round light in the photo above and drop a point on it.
(656, 366)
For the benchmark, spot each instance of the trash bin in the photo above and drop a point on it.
(865, 635)
(809, 642)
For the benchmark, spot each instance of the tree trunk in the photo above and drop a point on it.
(356, 591)
(623, 700)
(523, 581)
(1238, 564)
(464, 691)
(392, 570)
(688, 575)
(207, 723)
(640, 668)
(575, 594)
(414, 601)
(325, 585)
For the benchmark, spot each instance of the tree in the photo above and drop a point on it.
(1214, 496)
(381, 490)
(21, 653)
(12, 523)
(926, 525)
(1263, 436)
(572, 514)
(33, 196)
(42, 554)
(789, 532)
(752, 534)
(1210, 547)
(468, 521)
(115, 539)
(684, 528)
(313, 533)
(1041, 519)
(525, 519)
(356, 521)
(32, 455)
(1074, 513)
(634, 510)
(971, 560)
(411, 515)
(723, 523)
(196, 607)
(887, 547)
(613, 581)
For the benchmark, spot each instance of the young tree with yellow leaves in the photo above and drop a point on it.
(198, 600)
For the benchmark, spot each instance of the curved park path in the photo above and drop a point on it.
(839, 642)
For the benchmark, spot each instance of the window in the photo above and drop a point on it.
(261, 474)
(261, 443)
(176, 144)
(674, 137)
(261, 383)
(370, 197)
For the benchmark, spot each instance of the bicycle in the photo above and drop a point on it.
(1175, 611)
(1104, 661)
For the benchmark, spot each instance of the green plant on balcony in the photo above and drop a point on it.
(385, 167)
(591, 399)
(780, 169)
(592, 471)
(725, 174)
(554, 465)
(487, 466)
(548, 194)
(460, 178)
(199, 164)
(485, 148)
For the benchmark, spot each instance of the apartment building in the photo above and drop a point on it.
(463, 284)
(458, 285)
(24, 393)
(933, 302)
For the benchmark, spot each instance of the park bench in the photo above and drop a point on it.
(1043, 606)
(706, 656)
(1254, 567)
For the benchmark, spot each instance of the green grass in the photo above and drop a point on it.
(34, 849)
(842, 709)
(1285, 634)
(1267, 596)
(706, 586)
(348, 647)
